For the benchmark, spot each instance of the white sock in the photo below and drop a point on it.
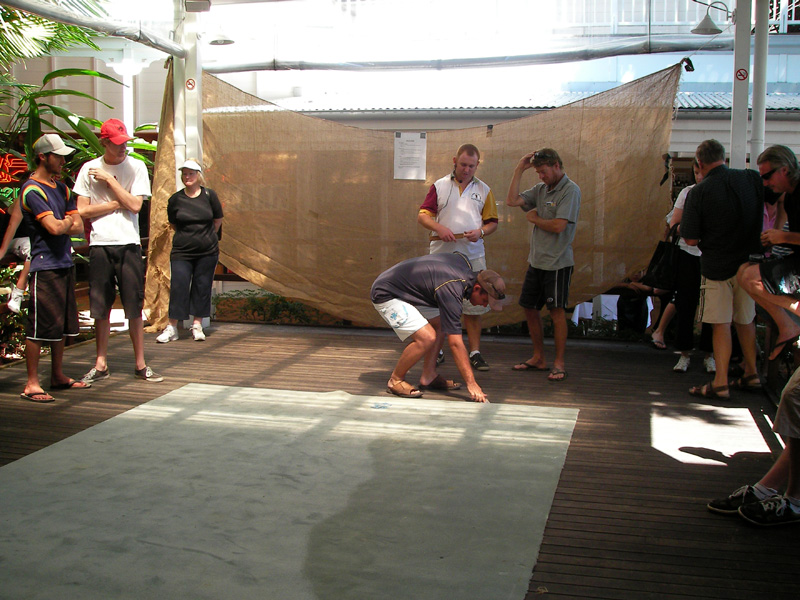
(474, 352)
(763, 491)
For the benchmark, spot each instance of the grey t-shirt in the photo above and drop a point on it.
(437, 280)
(553, 251)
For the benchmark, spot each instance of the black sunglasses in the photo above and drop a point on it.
(543, 156)
(766, 176)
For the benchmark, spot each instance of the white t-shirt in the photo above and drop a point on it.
(122, 226)
(680, 202)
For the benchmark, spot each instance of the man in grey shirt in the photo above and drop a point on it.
(552, 206)
(422, 298)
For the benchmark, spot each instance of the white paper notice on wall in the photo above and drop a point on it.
(409, 155)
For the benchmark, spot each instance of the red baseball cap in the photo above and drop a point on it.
(114, 131)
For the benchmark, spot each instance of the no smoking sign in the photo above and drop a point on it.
(741, 74)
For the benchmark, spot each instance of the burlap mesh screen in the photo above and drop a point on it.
(312, 211)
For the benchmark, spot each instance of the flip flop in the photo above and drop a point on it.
(557, 375)
(658, 345)
(37, 397)
(750, 383)
(440, 383)
(404, 390)
(72, 383)
(709, 391)
(779, 346)
(526, 366)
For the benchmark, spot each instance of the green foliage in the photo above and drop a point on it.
(23, 35)
(265, 307)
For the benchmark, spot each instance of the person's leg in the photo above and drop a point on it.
(747, 340)
(18, 293)
(776, 305)
(472, 323)
(33, 350)
(558, 315)
(179, 289)
(200, 293)
(721, 341)
(429, 358)
(658, 333)
(793, 477)
(136, 330)
(102, 331)
(22, 280)
(533, 317)
(422, 341)
(778, 475)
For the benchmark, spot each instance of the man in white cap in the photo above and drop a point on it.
(51, 215)
(111, 190)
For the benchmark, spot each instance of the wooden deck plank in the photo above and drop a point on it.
(627, 520)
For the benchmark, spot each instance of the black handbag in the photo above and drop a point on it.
(664, 264)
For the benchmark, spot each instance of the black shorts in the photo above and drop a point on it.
(542, 288)
(781, 276)
(52, 311)
(112, 267)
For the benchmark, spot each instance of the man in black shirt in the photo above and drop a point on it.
(723, 216)
(422, 298)
(773, 283)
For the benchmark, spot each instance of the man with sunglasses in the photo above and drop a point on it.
(771, 284)
(552, 206)
(774, 283)
(723, 216)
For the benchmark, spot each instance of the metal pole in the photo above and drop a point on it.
(759, 117)
(741, 84)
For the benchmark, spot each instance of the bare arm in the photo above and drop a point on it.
(549, 225)
(461, 357)
(69, 224)
(475, 234)
(126, 200)
(428, 222)
(88, 210)
(13, 223)
(513, 198)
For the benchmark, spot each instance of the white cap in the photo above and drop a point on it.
(190, 164)
(52, 143)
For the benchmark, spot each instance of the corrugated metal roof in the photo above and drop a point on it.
(685, 100)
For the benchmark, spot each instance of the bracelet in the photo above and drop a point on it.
(482, 233)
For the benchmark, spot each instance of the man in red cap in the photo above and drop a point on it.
(111, 190)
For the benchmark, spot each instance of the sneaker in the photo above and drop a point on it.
(95, 375)
(477, 362)
(730, 505)
(170, 334)
(440, 358)
(197, 333)
(15, 302)
(148, 375)
(682, 365)
(775, 510)
(710, 364)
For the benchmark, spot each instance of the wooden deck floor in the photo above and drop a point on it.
(627, 521)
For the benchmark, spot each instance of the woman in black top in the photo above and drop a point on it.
(195, 214)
